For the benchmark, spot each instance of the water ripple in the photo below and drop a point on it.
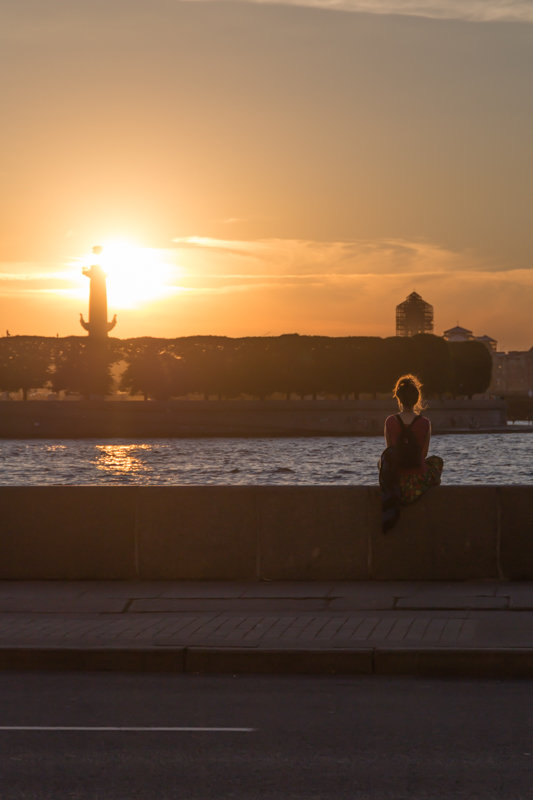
(469, 458)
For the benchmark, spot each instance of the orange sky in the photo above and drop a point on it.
(275, 167)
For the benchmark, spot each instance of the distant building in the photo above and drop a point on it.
(414, 316)
(512, 373)
(458, 334)
(490, 343)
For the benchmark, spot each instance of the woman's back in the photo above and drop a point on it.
(421, 430)
(401, 485)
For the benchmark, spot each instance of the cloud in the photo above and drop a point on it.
(470, 10)
(25, 276)
(232, 220)
(23, 279)
(348, 287)
(56, 19)
(8, 277)
(236, 287)
(298, 258)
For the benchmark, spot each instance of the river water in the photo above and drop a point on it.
(468, 458)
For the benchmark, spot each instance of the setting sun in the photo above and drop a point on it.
(135, 275)
(236, 193)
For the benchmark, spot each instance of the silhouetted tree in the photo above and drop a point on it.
(285, 351)
(254, 368)
(432, 363)
(397, 359)
(160, 375)
(371, 365)
(213, 370)
(308, 368)
(257, 366)
(471, 368)
(24, 363)
(84, 367)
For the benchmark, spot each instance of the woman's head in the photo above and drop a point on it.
(408, 393)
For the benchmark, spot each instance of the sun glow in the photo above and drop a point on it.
(135, 275)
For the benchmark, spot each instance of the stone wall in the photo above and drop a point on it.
(262, 533)
(136, 419)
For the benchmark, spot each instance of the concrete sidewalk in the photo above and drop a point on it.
(430, 628)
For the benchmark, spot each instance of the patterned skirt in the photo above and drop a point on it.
(413, 485)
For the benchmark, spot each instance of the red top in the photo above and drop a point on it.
(421, 428)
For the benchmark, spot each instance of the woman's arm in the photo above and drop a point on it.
(425, 448)
(387, 435)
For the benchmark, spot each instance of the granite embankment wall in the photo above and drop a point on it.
(137, 419)
(263, 533)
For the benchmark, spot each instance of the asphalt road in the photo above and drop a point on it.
(314, 738)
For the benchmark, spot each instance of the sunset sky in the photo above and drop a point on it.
(259, 168)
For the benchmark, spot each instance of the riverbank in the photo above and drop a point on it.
(233, 418)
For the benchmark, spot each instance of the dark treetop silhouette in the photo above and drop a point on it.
(98, 327)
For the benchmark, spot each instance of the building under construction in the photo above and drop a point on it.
(414, 316)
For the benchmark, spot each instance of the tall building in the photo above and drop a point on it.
(414, 316)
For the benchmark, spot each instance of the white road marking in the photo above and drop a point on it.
(120, 728)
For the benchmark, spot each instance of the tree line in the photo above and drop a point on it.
(221, 367)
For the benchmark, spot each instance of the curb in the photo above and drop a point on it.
(474, 663)
(90, 659)
(278, 662)
(486, 663)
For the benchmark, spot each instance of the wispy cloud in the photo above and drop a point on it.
(237, 287)
(298, 258)
(350, 288)
(232, 220)
(472, 10)
(26, 277)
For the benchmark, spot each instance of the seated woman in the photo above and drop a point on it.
(405, 471)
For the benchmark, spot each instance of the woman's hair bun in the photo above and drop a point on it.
(408, 392)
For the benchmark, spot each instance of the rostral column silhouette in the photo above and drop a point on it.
(98, 327)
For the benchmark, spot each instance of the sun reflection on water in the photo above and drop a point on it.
(121, 458)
